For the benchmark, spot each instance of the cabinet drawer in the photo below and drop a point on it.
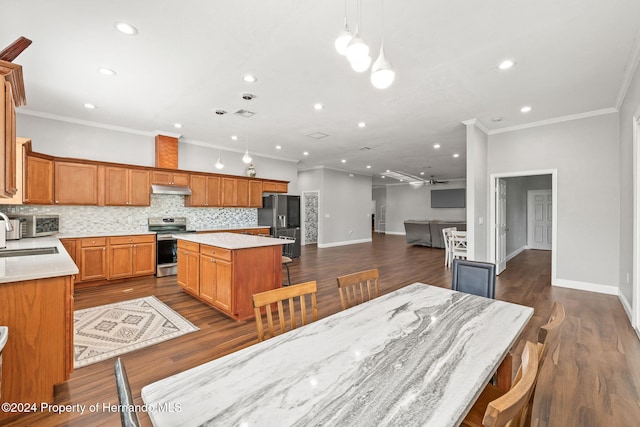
(123, 240)
(93, 241)
(216, 252)
(189, 246)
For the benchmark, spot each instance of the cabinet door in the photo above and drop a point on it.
(116, 191)
(120, 261)
(93, 263)
(242, 188)
(161, 178)
(10, 143)
(139, 188)
(208, 277)
(229, 191)
(213, 191)
(71, 246)
(255, 194)
(75, 183)
(189, 270)
(224, 295)
(198, 195)
(144, 258)
(180, 179)
(38, 180)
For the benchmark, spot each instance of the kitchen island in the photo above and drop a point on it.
(225, 269)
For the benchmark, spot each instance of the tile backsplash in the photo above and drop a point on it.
(101, 219)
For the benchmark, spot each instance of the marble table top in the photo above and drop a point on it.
(417, 356)
(232, 240)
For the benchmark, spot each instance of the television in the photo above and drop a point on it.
(453, 198)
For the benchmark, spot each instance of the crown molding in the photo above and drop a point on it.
(594, 113)
(165, 133)
(83, 122)
(629, 72)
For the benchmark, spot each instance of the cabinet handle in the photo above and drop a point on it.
(104, 249)
(57, 201)
(213, 260)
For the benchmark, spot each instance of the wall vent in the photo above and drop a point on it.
(365, 148)
(317, 135)
(244, 113)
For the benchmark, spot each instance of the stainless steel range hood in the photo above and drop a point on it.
(170, 189)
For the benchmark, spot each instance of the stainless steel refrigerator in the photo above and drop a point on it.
(282, 214)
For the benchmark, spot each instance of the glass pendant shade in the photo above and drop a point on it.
(343, 40)
(219, 164)
(246, 158)
(361, 65)
(357, 49)
(382, 73)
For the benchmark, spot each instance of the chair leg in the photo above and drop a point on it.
(288, 275)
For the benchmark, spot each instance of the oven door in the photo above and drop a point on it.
(166, 257)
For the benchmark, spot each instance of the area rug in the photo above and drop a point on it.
(113, 329)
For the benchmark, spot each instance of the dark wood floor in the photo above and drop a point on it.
(594, 380)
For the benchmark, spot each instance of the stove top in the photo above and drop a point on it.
(168, 225)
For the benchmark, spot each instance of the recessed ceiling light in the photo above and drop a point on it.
(90, 106)
(125, 28)
(388, 171)
(278, 147)
(456, 155)
(436, 145)
(506, 64)
(318, 107)
(368, 166)
(525, 109)
(421, 173)
(306, 153)
(234, 137)
(177, 125)
(249, 78)
(497, 119)
(106, 71)
(343, 161)
(383, 177)
(351, 175)
(362, 124)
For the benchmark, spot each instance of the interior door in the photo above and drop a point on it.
(539, 214)
(501, 225)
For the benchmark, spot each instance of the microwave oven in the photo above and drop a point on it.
(38, 225)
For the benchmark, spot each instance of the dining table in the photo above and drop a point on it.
(417, 356)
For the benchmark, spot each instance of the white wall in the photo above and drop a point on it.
(477, 193)
(405, 201)
(585, 153)
(65, 139)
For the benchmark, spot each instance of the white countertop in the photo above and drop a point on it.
(417, 356)
(228, 227)
(29, 267)
(83, 234)
(232, 240)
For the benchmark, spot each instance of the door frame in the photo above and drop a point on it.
(554, 226)
(303, 223)
(635, 309)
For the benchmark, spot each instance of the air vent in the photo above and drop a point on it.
(220, 112)
(248, 96)
(317, 135)
(244, 113)
(365, 148)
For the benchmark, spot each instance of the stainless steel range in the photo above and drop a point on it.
(166, 244)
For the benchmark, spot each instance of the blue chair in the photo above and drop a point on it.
(474, 277)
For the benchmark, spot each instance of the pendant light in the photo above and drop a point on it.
(219, 164)
(357, 50)
(345, 36)
(246, 158)
(382, 72)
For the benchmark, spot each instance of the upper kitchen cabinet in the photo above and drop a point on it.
(126, 187)
(12, 90)
(235, 192)
(75, 183)
(275, 187)
(205, 191)
(170, 178)
(255, 193)
(38, 179)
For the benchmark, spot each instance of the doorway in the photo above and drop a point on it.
(539, 219)
(508, 235)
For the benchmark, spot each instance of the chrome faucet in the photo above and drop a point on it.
(7, 223)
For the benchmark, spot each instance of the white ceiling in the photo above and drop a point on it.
(189, 58)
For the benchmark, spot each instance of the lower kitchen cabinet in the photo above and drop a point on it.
(93, 259)
(189, 267)
(215, 281)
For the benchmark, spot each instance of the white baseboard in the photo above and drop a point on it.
(586, 286)
(397, 233)
(626, 306)
(344, 243)
(516, 253)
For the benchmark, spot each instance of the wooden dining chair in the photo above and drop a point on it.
(548, 338)
(458, 242)
(356, 288)
(128, 416)
(277, 297)
(446, 239)
(496, 409)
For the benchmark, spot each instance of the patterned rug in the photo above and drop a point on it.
(109, 330)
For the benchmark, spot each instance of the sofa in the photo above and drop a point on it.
(428, 233)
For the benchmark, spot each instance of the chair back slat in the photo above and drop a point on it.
(128, 416)
(356, 288)
(295, 296)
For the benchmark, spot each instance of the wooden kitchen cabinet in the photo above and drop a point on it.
(93, 259)
(75, 183)
(216, 277)
(235, 192)
(7, 140)
(126, 187)
(72, 246)
(170, 178)
(205, 191)
(255, 194)
(131, 256)
(38, 180)
(189, 266)
(274, 187)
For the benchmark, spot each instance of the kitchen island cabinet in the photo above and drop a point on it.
(230, 268)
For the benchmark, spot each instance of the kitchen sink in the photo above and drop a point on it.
(6, 253)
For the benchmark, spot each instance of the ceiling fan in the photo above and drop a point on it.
(433, 181)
